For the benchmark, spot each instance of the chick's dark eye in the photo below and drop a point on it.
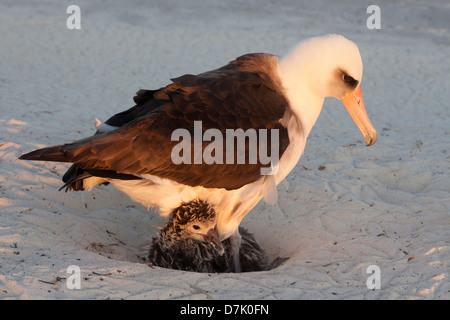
(196, 227)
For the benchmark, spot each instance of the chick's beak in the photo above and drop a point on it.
(212, 238)
(354, 103)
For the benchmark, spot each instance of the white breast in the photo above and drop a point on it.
(231, 205)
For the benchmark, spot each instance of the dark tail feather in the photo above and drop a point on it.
(46, 154)
(75, 183)
(73, 179)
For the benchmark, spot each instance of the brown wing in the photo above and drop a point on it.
(243, 94)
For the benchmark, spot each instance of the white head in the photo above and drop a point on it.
(328, 66)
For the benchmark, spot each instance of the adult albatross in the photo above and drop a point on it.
(133, 149)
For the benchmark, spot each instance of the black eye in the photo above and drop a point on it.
(196, 227)
(349, 80)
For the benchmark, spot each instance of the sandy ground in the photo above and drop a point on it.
(347, 208)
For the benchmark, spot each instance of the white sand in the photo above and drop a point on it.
(387, 205)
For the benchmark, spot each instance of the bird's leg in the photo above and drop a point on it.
(235, 241)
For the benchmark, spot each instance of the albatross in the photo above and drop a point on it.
(190, 242)
(132, 150)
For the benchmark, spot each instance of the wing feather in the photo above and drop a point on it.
(244, 94)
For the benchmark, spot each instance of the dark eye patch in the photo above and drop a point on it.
(349, 80)
(196, 227)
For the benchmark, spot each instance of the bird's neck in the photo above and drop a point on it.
(305, 103)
